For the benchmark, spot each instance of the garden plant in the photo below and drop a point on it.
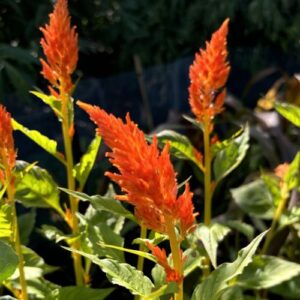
(187, 248)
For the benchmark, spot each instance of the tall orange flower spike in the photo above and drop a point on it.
(146, 176)
(208, 75)
(60, 45)
(7, 149)
(161, 257)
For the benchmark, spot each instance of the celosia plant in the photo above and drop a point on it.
(99, 233)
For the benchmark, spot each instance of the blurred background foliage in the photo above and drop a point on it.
(263, 33)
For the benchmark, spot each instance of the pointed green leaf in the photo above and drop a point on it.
(193, 121)
(79, 293)
(50, 100)
(219, 280)
(35, 187)
(242, 227)
(181, 147)
(292, 178)
(5, 221)
(122, 274)
(289, 111)
(44, 142)
(231, 155)
(103, 203)
(82, 170)
(267, 271)
(211, 236)
(8, 261)
(255, 199)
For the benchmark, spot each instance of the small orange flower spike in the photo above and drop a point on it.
(7, 149)
(208, 75)
(162, 260)
(146, 175)
(60, 45)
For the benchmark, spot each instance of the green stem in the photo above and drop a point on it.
(71, 185)
(279, 210)
(140, 262)
(176, 255)
(207, 174)
(207, 186)
(17, 241)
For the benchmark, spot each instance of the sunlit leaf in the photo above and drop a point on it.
(35, 187)
(289, 111)
(5, 221)
(219, 280)
(211, 236)
(229, 157)
(267, 271)
(50, 100)
(292, 178)
(82, 170)
(181, 146)
(254, 199)
(79, 293)
(103, 203)
(122, 274)
(44, 142)
(8, 261)
(289, 289)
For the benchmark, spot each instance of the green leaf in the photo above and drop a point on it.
(79, 293)
(272, 183)
(255, 199)
(82, 170)
(103, 203)
(231, 155)
(289, 289)
(290, 217)
(8, 261)
(44, 142)
(7, 298)
(50, 100)
(35, 187)
(54, 234)
(181, 146)
(26, 224)
(233, 293)
(292, 177)
(122, 274)
(34, 267)
(5, 221)
(210, 236)
(193, 121)
(95, 235)
(220, 279)
(193, 261)
(267, 271)
(155, 238)
(289, 111)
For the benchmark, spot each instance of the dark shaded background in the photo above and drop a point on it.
(161, 36)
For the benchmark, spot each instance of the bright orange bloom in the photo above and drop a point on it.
(146, 175)
(7, 149)
(208, 75)
(60, 45)
(160, 254)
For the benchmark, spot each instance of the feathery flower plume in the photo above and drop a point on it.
(161, 257)
(60, 45)
(7, 149)
(146, 176)
(208, 75)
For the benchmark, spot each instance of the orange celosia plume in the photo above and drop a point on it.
(7, 149)
(146, 175)
(161, 256)
(208, 75)
(60, 45)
